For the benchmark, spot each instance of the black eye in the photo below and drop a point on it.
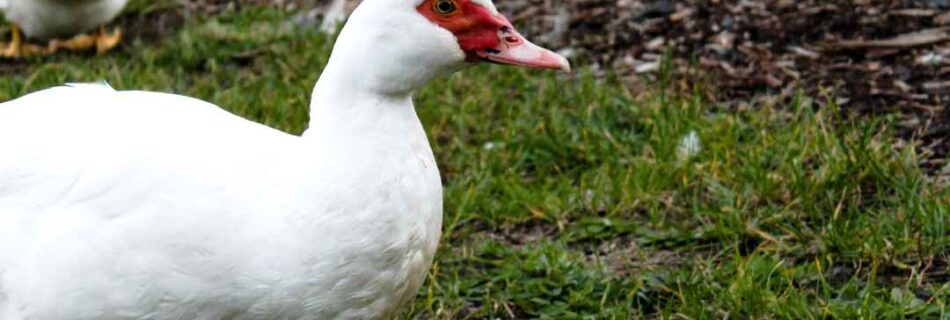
(445, 7)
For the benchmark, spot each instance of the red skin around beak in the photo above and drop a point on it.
(488, 37)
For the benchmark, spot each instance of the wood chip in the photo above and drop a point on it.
(647, 67)
(936, 85)
(655, 44)
(804, 52)
(903, 86)
(773, 81)
(682, 14)
(914, 13)
(880, 53)
(942, 19)
(907, 40)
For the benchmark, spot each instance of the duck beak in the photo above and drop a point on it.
(514, 49)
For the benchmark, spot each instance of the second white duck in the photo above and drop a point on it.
(55, 19)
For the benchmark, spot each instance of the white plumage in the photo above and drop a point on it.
(143, 205)
(45, 19)
(148, 205)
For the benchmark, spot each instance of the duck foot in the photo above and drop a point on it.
(17, 48)
(102, 41)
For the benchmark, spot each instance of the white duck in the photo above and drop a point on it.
(50, 19)
(144, 205)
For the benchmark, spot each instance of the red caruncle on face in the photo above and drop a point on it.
(475, 27)
(487, 36)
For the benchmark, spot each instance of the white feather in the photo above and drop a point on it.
(144, 205)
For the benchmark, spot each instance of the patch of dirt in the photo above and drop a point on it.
(624, 256)
(524, 234)
(621, 254)
(12, 66)
(876, 57)
(150, 26)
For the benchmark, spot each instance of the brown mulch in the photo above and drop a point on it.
(874, 57)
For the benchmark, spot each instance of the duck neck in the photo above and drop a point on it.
(360, 94)
(365, 92)
(349, 114)
(364, 135)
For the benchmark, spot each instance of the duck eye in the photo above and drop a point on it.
(445, 7)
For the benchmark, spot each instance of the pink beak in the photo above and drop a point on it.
(514, 49)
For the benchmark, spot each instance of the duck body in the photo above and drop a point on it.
(47, 19)
(273, 231)
(138, 221)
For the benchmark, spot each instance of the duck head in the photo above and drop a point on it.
(400, 45)
(483, 34)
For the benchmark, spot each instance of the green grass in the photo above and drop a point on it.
(568, 198)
